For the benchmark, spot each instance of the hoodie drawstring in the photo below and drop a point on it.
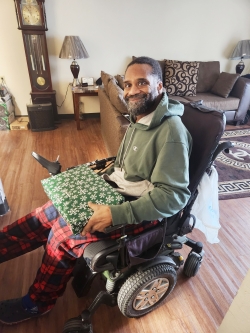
(121, 160)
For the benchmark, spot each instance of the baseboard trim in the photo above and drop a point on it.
(71, 115)
(82, 116)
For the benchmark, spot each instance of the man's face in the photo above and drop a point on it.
(141, 89)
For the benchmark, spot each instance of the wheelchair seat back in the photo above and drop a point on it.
(206, 127)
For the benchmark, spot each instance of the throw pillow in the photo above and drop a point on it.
(181, 77)
(224, 84)
(105, 80)
(209, 71)
(119, 79)
(116, 96)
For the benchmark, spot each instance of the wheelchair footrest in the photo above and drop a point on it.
(103, 297)
(53, 167)
(82, 323)
(77, 325)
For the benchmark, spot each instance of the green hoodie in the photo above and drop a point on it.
(160, 154)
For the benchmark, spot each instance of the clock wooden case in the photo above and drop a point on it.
(31, 18)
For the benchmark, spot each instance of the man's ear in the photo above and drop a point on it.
(160, 87)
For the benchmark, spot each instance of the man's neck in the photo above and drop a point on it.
(142, 115)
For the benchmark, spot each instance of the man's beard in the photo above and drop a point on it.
(143, 105)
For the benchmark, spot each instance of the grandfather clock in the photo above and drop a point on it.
(31, 20)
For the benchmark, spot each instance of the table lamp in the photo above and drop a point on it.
(242, 51)
(73, 48)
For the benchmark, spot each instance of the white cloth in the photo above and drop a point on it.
(2, 195)
(125, 187)
(206, 207)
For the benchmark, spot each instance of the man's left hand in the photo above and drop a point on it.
(100, 220)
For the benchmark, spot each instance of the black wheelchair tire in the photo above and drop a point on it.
(75, 325)
(162, 275)
(192, 264)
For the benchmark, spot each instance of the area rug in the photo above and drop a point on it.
(234, 167)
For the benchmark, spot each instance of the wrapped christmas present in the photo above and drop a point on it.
(70, 192)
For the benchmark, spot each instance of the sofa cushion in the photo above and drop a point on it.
(115, 94)
(119, 78)
(105, 80)
(209, 72)
(224, 84)
(217, 102)
(181, 77)
(179, 99)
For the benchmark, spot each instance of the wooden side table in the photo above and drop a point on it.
(77, 92)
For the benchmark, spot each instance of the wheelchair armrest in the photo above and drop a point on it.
(222, 146)
(113, 228)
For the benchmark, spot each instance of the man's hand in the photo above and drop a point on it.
(100, 220)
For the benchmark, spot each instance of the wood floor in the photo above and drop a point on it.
(196, 305)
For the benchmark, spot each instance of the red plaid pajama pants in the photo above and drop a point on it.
(44, 226)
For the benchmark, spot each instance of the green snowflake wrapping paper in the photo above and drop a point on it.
(70, 192)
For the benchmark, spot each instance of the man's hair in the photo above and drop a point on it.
(154, 64)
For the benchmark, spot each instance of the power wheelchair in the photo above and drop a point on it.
(141, 271)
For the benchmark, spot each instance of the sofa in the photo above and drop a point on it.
(184, 81)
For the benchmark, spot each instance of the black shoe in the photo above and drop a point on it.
(13, 312)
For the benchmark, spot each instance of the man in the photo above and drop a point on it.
(151, 165)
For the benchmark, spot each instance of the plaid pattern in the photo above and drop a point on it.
(44, 226)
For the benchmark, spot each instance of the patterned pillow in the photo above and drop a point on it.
(181, 77)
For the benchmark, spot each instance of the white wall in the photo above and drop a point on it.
(112, 31)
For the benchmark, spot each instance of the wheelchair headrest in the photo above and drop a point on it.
(206, 127)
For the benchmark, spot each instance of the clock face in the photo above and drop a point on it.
(31, 15)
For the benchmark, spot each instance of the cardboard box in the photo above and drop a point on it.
(21, 123)
(6, 121)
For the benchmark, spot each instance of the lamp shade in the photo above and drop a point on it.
(242, 50)
(73, 48)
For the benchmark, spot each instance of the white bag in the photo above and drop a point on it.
(206, 207)
(4, 208)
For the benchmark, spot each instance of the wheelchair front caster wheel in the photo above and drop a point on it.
(143, 291)
(192, 264)
(76, 325)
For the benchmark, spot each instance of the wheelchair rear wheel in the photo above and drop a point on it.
(192, 264)
(143, 291)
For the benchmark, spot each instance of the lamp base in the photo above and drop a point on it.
(75, 68)
(240, 67)
(75, 83)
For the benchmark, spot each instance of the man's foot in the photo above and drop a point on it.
(13, 312)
